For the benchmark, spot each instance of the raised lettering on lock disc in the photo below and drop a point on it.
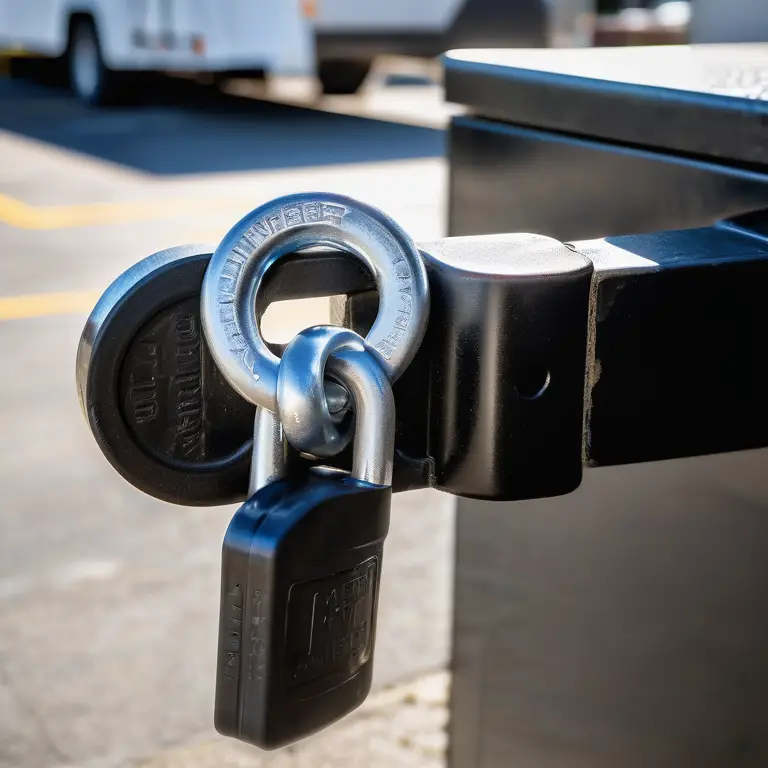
(285, 226)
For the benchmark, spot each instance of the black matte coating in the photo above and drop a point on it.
(158, 408)
(709, 101)
(301, 565)
(173, 398)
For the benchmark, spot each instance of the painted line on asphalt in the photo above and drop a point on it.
(22, 216)
(45, 304)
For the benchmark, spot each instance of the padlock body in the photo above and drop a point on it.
(301, 566)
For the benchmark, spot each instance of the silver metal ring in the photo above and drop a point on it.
(290, 224)
(301, 402)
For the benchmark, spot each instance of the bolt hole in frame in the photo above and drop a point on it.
(531, 383)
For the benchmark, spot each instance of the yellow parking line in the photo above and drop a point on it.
(18, 214)
(42, 304)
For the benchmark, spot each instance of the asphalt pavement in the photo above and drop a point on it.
(108, 598)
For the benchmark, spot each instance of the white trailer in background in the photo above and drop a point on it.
(101, 40)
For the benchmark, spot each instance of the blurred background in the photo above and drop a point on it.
(128, 126)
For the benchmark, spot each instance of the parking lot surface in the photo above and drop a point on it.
(108, 598)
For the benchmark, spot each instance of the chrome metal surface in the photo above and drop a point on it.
(365, 379)
(374, 445)
(295, 223)
(269, 460)
(338, 400)
(301, 397)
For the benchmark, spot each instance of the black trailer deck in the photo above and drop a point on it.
(624, 625)
(594, 142)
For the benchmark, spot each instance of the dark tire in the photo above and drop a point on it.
(342, 76)
(90, 79)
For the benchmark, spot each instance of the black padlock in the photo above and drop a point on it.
(301, 568)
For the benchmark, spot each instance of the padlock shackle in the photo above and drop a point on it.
(316, 356)
(270, 459)
(374, 406)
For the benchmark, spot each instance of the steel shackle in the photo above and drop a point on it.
(294, 223)
(269, 459)
(340, 354)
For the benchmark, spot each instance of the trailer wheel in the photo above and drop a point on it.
(90, 79)
(342, 76)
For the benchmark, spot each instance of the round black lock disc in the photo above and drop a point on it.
(159, 408)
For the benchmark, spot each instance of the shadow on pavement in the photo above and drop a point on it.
(182, 127)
